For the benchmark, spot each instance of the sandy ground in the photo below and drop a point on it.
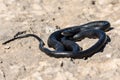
(22, 59)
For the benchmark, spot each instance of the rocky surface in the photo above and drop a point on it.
(22, 59)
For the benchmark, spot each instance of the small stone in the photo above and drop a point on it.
(61, 64)
(59, 8)
(36, 76)
(53, 19)
(108, 55)
(93, 2)
(6, 47)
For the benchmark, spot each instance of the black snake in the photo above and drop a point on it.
(63, 40)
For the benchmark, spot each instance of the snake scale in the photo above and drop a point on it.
(63, 40)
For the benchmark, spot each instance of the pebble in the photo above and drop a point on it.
(6, 47)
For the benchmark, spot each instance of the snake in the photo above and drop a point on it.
(58, 40)
(80, 54)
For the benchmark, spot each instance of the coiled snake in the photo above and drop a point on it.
(63, 40)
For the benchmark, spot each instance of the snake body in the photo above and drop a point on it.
(54, 38)
(58, 40)
(101, 25)
(80, 54)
